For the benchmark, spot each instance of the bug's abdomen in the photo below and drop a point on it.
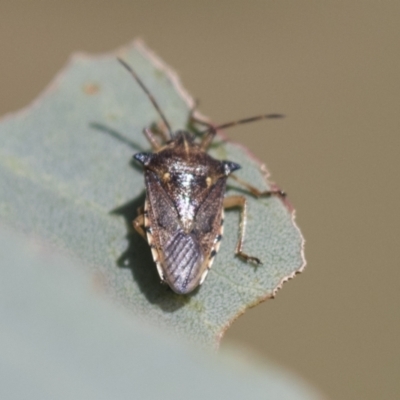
(179, 260)
(182, 252)
(182, 262)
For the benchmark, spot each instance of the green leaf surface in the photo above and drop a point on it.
(66, 176)
(60, 339)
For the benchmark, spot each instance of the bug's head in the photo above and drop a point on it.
(182, 136)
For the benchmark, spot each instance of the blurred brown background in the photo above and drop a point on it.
(334, 69)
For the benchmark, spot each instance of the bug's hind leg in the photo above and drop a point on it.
(240, 201)
(258, 193)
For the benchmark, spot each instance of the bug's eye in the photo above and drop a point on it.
(143, 158)
(230, 166)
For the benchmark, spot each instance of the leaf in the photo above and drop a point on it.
(66, 177)
(61, 340)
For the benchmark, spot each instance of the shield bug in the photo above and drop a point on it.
(183, 215)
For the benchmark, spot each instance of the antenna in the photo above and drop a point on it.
(244, 121)
(210, 133)
(149, 95)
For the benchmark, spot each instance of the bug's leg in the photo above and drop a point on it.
(155, 145)
(209, 135)
(159, 129)
(138, 224)
(258, 193)
(208, 138)
(192, 118)
(165, 136)
(240, 201)
(212, 129)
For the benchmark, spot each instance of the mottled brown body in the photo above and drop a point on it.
(183, 216)
(184, 209)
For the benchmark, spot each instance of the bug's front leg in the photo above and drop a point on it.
(138, 223)
(240, 201)
(258, 193)
(210, 134)
(151, 137)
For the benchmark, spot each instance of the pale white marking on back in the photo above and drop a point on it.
(203, 277)
(217, 244)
